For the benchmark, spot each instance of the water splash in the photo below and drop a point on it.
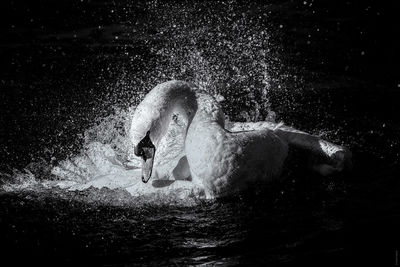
(230, 56)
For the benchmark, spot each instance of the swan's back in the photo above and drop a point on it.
(224, 161)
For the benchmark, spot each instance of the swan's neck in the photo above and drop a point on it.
(166, 100)
(155, 112)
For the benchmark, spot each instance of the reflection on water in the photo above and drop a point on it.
(71, 72)
(78, 229)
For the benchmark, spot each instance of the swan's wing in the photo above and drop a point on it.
(263, 152)
(339, 157)
(251, 126)
(98, 165)
(228, 161)
(96, 160)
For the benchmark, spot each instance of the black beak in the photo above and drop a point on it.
(146, 150)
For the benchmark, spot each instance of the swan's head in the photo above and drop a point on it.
(145, 134)
(146, 150)
(153, 115)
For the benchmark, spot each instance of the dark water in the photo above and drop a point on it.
(327, 68)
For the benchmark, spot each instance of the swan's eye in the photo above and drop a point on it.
(138, 151)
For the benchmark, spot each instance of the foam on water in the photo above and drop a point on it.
(106, 161)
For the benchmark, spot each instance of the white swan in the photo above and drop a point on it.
(218, 160)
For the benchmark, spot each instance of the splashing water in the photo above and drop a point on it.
(234, 61)
(74, 72)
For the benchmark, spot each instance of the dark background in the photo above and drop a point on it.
(57, 64)
(61, 64)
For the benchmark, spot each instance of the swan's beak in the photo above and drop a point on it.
(147, 163)
(146, 150)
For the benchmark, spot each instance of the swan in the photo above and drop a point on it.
(217, 158)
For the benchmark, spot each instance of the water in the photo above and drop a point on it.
(71, 72)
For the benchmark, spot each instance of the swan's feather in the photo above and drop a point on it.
(227, 161)
(188, 130)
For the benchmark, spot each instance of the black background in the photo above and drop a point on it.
(53, 77)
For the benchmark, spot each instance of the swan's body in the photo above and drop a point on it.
(216, 159)
(227, 161)
(187, 149)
